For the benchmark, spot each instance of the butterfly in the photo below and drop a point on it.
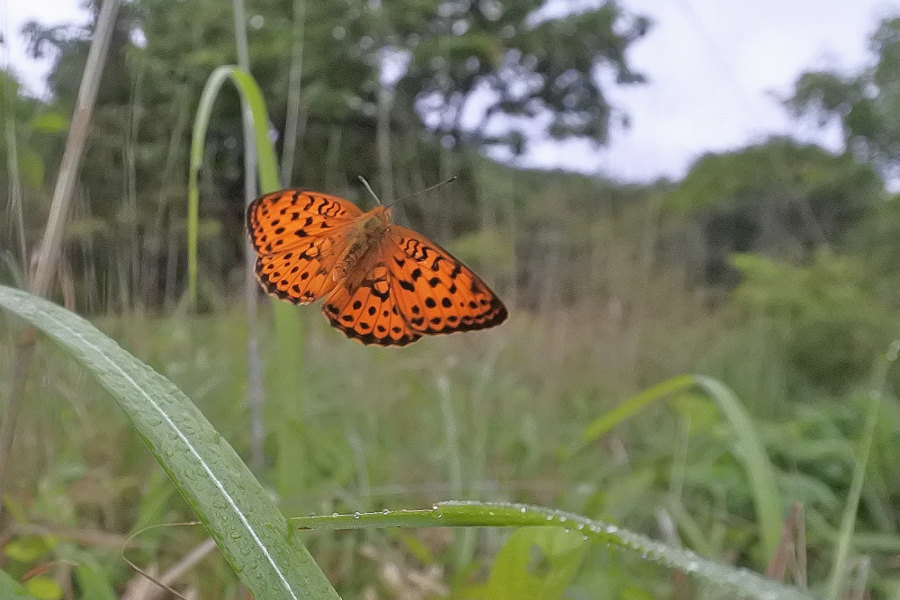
(382, 283)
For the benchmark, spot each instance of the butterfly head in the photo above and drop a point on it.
(372, 226)
(383, 214)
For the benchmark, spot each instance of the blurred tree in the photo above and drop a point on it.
(866, 104)
(428, 80)
(504, 73)
(779, 198)
(29, 143)
(823, 316)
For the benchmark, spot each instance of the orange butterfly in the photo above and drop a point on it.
(382, 283)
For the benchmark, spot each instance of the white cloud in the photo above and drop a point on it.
(13, 16)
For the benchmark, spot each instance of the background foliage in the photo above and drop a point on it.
(772, 268)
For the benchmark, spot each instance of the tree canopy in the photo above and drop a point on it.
(866, 103)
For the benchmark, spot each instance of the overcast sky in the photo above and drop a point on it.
(715, 68)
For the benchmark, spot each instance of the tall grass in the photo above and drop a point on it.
(530, 413)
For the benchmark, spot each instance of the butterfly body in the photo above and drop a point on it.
(382, 283)
(364, 240)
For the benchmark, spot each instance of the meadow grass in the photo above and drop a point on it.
(490, 416)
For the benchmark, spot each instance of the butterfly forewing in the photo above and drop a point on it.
(436, 293)
(298, 236)
(281, 220)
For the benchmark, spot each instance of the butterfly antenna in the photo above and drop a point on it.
(426, 190)
(369, 187)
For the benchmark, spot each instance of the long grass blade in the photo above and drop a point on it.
(252, 534)
(603, 424)
(749, 450)
(252, 99)
(481, 514)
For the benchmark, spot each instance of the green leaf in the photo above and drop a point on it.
(49, 122)
(252, 534)
(44, 588)
(535, 562)
(749, 450)
(12, 589)
(603, 424)
(27, 549)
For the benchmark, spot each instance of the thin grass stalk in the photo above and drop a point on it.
(145, 589)
(464, 543)
(292, 110)
(840, 569)
(791, 551)
(51, 244)
(332, 158)
(256, 393)
(383, 140)
(174, 156)
(14, 202)
(48, 255)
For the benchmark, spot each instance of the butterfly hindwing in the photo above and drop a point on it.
(369, 312)
(435, 292)
(300, 275)
(297, 235)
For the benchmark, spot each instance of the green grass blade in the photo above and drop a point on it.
(845, 536)
(12, 589)
(479, 514)
(603, 424)
(747, 447)
(13, 268)
(251, 100)
(514, 576)
(92, 581)
(749, 450)
(251, 532)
